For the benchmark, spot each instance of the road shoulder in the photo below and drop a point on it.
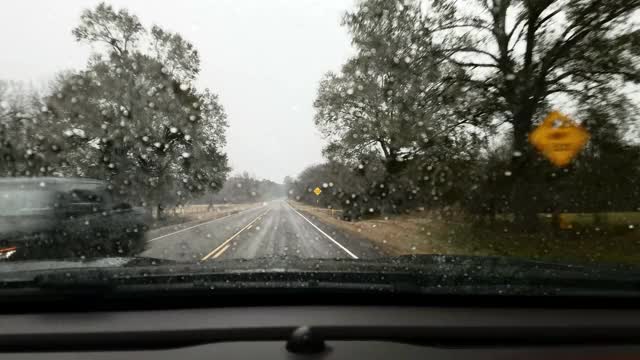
(347, 236)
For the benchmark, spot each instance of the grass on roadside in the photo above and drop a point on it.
(613, 238)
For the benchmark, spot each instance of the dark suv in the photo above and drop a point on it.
(66, 217)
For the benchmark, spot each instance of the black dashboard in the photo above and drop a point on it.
(346, 332)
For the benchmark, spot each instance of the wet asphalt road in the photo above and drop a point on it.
(274, 229)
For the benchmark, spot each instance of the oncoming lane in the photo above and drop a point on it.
(225, 245)
(193, 243)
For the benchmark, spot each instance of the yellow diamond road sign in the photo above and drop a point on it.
(559, 138)
(317, 191)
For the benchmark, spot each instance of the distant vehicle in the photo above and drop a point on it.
(47, 217)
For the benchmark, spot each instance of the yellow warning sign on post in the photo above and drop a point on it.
(559, 138)
(317, 191)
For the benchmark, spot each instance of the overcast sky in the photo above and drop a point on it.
(263, 57)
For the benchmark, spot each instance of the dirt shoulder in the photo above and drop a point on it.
(393, 236)
(429, 233)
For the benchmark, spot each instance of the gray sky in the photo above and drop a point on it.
(263, 57)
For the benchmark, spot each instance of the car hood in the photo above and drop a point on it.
(9, 267)
(426, 274)
(470, 266)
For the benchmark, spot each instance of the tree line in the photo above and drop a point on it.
(435, 108)
(133, 116)
(244, 188)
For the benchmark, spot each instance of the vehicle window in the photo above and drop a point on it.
(485, 138)
(20, 202)
(85, 197)
(83, 201)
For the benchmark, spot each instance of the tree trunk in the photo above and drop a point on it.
(523, 197)
(555, 222)
(159, 209)
(599, 218)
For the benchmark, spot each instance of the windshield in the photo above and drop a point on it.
(355, 132)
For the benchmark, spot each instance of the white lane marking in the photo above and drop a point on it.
(325, 234)
(221, 251)
(195, 226)
(234, 236)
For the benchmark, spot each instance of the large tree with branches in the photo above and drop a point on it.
(393, 98)
(525, 55)
(134, 116)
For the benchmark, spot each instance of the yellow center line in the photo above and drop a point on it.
(214, 251)
(221, 251)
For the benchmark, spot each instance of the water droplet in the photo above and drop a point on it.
(173, 130)
(507, 173)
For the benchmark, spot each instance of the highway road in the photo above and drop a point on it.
(274, 229)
